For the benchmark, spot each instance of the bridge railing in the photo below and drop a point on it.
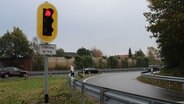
(111, 96)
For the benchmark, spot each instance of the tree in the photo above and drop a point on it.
(142, 62)
(96, 52)
(130, 53)
(15, 44)
(112, 61)
(153, 56)
(35, 45)
(84, 58)
(83, 52)
(139, 53)
(102, 63)
(166, 22)
(83, 62)
(59, 52)
(88, 61)
(78, 62)
(124, 62)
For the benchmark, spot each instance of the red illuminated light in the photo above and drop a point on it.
(47, 13)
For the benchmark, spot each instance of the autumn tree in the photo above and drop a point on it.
(166, 22)
(96, 52)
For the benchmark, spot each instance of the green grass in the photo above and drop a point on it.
(31, 91)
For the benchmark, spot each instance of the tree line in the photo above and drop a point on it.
(16, 45)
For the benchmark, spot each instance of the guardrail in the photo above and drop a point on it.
(49, 72)
(165, 78)
(111, 96)
(121, 69)
(78, 70)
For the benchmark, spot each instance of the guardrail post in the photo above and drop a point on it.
(82, 93)
(169, 84)
(69, 81)
(159, 82)
(73, 82)
(102, 95)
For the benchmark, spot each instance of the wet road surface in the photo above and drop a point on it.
(126, 81)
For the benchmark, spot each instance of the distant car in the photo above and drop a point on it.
(90, 70)
(12, 72)
(154, 68)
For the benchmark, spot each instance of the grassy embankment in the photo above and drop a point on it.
(31, 91)
(177, 72)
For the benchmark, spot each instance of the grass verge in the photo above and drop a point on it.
(31, 91)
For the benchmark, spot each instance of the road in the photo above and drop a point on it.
(126, 81)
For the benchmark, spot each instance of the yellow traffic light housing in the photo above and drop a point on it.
(47, 22)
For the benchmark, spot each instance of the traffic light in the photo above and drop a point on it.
(47, 22)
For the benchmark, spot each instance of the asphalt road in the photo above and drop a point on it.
(126, 81)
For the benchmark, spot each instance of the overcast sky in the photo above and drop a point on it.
(113, 26)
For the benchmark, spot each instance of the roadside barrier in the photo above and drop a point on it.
(111, 96)
(165, 78)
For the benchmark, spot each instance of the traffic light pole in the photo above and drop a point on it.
(47, 31)
(46, 79)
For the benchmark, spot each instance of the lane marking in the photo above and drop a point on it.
(88, 79)
(93, 77)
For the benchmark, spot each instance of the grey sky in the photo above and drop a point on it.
(110, 25)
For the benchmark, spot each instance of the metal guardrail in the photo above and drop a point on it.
(166, 78)
(121, 69)
(49, 72)
(78, 70)
(107, 95)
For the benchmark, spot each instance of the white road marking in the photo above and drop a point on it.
(93, 77)
(88, 79)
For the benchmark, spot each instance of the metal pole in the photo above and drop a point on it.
(46, 78)
(102, 96)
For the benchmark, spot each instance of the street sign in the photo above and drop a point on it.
(46, 22)
(47, 49)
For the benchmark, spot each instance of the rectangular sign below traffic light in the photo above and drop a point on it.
(47, 49)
